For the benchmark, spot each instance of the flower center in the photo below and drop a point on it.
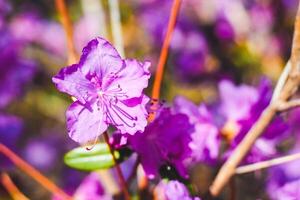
(100, 93)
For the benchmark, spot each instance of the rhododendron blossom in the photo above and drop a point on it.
(108, 89)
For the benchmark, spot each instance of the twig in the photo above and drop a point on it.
(11, 188)
(289, 105)
(133, 171)
(281, 81)
(118, 169)
(66, 22)
(116, 26)
(266, 164)
(288, 89)
(165, 49)
(35, 174)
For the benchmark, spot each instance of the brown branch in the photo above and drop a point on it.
(66, 22)
(288, 89)
(118, 168)
(32, 172)
(11, 188)
(267, 163)
(165, 49)
(289, 105)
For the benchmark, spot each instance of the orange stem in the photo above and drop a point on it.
(118, 169)
(165, 49)
(35, 174)
(11, 188)
(66, 22)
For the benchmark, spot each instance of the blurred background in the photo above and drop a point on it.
(240, 40)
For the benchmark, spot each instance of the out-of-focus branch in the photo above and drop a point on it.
(32, 172)
(11, 188)
(66, 22)
(281, 81)
(116, 26)
(289, 105)
(267, 163)
(165, 50)
(118, 168)
(286, 89)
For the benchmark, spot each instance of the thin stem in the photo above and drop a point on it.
(266, 164)
(228, 169)
(133, 171)
(289, 105)
(11, 188)
(116, 26)
(165, 49)
(118, 169)
(281, 81)
(35, 174)
(66, 22)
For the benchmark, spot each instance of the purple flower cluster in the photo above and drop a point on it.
(15, 71)
(173, 190)
(284, 181)
(240, 107)
(206, 139)
(164, 142)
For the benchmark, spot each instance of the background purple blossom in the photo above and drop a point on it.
(223, 63)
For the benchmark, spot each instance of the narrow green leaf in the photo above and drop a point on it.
(99, 157)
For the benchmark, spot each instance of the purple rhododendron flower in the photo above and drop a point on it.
(288, 191)
(91, 189)
(241, 106)
(41, 153)
(284, 180)
(10, 130)
(205, 142)
(108, 89)
(173, 190)
(15, 70)
(236, 101)
(165, 141)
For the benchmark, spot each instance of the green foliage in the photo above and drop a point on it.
(99, 157)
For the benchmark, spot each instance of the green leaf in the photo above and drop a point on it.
(99, 157)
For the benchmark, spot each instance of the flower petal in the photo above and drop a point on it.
(99, 58)
(71, 80)
(132, 79)
(237, 100)
(85, 125)
(128, 118)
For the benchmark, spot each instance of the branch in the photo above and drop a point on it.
(11, 188)
(35, 174)
(266, 164)
(289, 105)
(66, 22)
(285, 89)
(165, 49)
(118, 169)
(281, 81)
